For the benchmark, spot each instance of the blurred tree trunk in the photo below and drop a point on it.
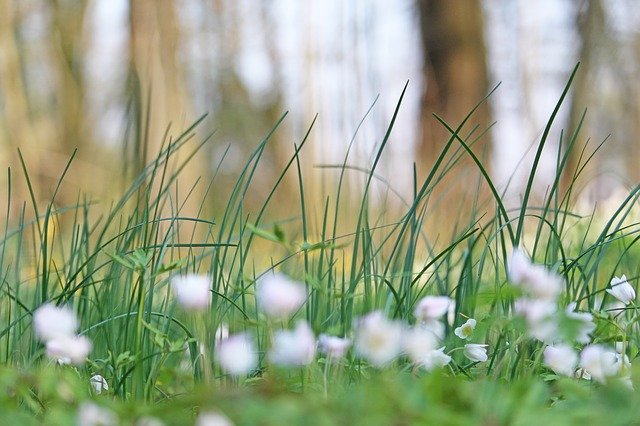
(591, 24)
(455, 71)
(66, 38)
(241, 120)
(606, 83)
(634, 116)
(17, 128)
(157, 84)
(153, 48)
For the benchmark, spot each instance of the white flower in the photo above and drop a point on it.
(476, 352)
(222, 332)
(98, 383)
(435, 359)
(192, 291)
(518, 266)
(561, 358)
(418, 343)
(599, 362)
(545, 285)
(236, 354)
(465, 330)
(211, 418)
(293, 348)
(90, 414)
(540, 318)
(581, 373)
(584, 322)
(433, 307)
(334, 347)
(622, 290)
(536, 279)
(436, 327)
(50, 321)
(378, 340)
(69, 349)
(278, 296)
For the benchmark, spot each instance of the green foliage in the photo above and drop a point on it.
(53, 396)
(113, 267)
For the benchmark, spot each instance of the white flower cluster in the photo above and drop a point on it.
(56, 327)
(380, 340)
(595, 361)
(539, 308)
(377, 340)
(279, 297)
(539, 303)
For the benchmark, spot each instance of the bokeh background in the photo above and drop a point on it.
(118, 78)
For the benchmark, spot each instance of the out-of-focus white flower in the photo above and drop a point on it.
(211, 418)
(622, 290)
(278, 296)
(293, 348)
(222, 332)
(98, 383)
(546, 285)
(518, 266)
(435, 359)
(418, 343)
(73, 349)
(433, 308)
(332, 346)
(50, 322)
(540, 318)
(535, 279)
(149, 421)
(90, 414)
(600, 362)
(236, 354)
(378, 340)
(465, 330)
(193, 292)
(476, 352)
(435, 327)
(584, 321)
(561, 358)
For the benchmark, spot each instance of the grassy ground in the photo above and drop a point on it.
(114, 264)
